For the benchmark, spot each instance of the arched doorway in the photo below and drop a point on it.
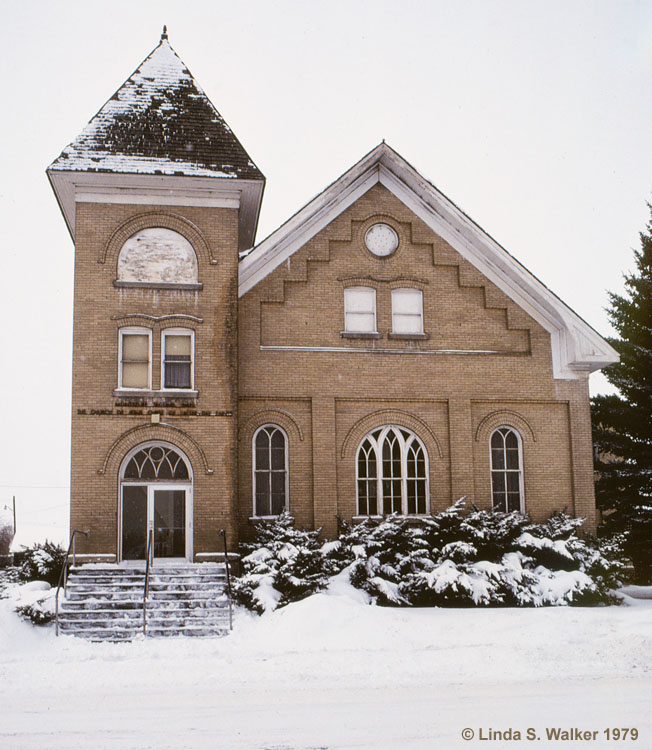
(156, 493)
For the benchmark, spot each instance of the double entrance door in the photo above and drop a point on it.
(161, 508)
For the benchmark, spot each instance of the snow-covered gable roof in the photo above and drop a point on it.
(576, 346)
(159, 122)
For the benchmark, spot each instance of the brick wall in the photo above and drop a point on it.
(451, 400)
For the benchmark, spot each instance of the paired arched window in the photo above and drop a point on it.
(270, 470)
(506, 470)
(392, 473)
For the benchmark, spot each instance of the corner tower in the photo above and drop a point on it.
(159, 197)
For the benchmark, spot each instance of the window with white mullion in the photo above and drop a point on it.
(506, 470)
(407, 311)
(135, 357)
(360, 310)
(177, 359)
(270, 471)
(393, 461)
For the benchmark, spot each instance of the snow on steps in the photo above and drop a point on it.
(106, 602)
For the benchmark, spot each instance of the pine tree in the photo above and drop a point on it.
(622, 424)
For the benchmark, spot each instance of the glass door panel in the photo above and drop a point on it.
(134, 522)
(169, 515)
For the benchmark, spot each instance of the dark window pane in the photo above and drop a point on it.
(278, 440)
(514, 501)
(421, 497)
(497, 459)
(262, 493)
(513, 481)
(512, 459)
(134, 522)
(498, 481)
(278, 504)
(497, 440)
(511, 441)
(169, 523)
(177, 375)
(278, 458)
(499, 501)
(363, 504)
(262, 456)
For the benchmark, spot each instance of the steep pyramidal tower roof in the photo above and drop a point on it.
(159, 121)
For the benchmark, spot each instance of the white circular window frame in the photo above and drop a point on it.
(368, 243)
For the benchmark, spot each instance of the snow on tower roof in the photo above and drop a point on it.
(159, 121)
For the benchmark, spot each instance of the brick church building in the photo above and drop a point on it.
(378, 353)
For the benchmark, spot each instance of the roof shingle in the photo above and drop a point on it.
(159, 121)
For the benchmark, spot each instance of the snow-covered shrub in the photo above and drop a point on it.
(34, 601)
(283, 565)
(459, 558)
(41, 562)
(39, 613)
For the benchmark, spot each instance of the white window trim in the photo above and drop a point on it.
(178, 332)
(521, 481)
(131, 330)
(253, 470)
(413, 315)
(352, 289)
(377, 443)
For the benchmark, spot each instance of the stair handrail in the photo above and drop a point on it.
(150, 554)
(228, 579)
(63, 575)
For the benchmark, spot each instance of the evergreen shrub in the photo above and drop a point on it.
(456, 558)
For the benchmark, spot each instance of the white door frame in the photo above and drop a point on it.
(152, 485)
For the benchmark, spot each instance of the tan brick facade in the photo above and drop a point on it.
(278, 357)
(452, 401)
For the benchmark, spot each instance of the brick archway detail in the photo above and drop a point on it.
(390, 416)
(156, 219)
(142, 434)
(508, 418)
(271, 416)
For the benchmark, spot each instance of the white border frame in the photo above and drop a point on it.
(423, 325)
(134, 330)
(178, 332)
(521, 473)
(253, 469)
(354, 288)
(163, 484)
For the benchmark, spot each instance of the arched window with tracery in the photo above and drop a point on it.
(155, 499)
(506, 470)
(392, 473)
(270, 471)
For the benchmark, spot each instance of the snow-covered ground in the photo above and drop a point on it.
(332, 672)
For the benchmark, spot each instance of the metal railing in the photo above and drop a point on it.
(63, 576)
(150, 554)
(228, 578)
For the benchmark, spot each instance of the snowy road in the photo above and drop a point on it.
(331, 672)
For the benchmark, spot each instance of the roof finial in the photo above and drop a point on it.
(164, 35)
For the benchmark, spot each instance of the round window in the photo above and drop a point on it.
(380, 239)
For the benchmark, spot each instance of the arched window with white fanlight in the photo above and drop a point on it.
(506, 454)
(392, 473)
(156, 502)
(270, 471)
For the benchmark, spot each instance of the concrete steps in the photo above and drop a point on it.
(105, 602)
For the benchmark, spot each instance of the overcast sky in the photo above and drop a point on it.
(534, 117)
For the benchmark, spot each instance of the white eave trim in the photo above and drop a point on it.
(159, 190)
(576, 348)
